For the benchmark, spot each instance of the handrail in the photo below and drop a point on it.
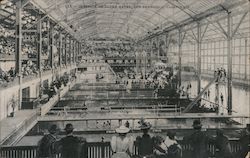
(102, 150)
(148, 117)
(189, 107)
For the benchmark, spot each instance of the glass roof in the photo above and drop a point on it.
(123, 18)
(115, 19)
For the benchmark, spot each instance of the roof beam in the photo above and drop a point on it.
(208, 13)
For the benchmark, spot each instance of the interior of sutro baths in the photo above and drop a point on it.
(124, 78)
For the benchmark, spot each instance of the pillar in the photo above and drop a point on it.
(246, 55)
(78, 51)
(39, 43)
(65, 51)
(158, 48)
(18, 42)
(70, 50)
(199, 58)
(18, 48)
(51, 43)
(151, 52)
(179, 56)
(229, 63)
(60, 50)
(74, 51)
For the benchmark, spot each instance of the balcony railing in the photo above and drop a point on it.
(100, 150)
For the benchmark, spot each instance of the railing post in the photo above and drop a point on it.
(103, 151)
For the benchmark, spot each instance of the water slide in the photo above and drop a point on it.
(193, 103)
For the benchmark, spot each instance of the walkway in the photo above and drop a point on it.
(14, 126)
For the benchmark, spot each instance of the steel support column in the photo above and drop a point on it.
(65, 51)
(168, 38)
(78, 51)
(70, 50)
(246, 59)
(158, 48)
(179, 56)
(74, 51)
(199, 58)
(60, 50)
(18, 42)
(151, 52)
(51, 45)
(18, 49)
(229, 63)
(39, 44)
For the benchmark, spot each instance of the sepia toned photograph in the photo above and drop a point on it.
(124, 78)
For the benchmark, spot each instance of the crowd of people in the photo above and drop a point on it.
(220, 74)
(118, 54)
(53, 88)
(148, 145)
(7, 41)
(7, 76)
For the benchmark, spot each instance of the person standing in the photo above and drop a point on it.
(223, 149)
(245, 143)
(121, 145)
(145, 142)
(198, 141)
(70, 145)
(46, 146)
(221, 98)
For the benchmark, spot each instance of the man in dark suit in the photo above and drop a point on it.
(245, 142)
(198, 141)
(46, 144)
(223, 149)
(71, 146)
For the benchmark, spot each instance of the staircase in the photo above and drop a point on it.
(191, 105)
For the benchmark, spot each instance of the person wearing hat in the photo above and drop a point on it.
(198, 141)
(145, 142)
(245, 142)
(223, 149)
(46, 148)
(121, 145)
(173, 147)
(71, 146)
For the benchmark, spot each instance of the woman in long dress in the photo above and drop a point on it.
(122, 145)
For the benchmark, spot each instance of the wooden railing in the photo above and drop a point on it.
(99, 150)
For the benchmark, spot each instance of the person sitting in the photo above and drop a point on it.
(71, 146)
(160, 149)
(245, 142)
(12, 72)
(173, 147)
(122, 146)
(46, 146)
(145, 142)
(198, 141)
(223, 149)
